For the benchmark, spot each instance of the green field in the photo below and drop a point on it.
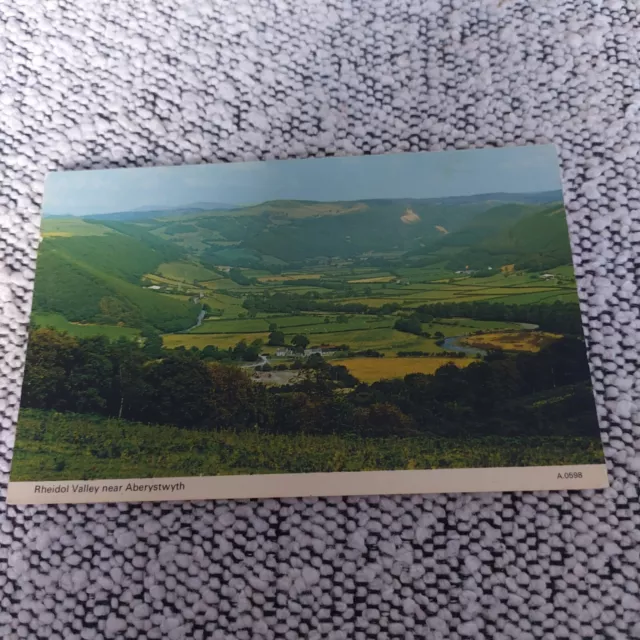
(292, 325)
(60, 323)
(55, 446)
(359, 332)
(186, 272)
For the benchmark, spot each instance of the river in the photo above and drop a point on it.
(452, 343)
(201, 316)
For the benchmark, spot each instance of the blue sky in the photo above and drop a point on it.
(409, 175)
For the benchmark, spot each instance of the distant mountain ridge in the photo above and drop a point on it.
(158, 211)
(153, 211)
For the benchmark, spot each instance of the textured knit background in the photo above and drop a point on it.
(142, 82)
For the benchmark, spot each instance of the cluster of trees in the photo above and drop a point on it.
(413, 324)
(240, 352)
(278, 339)
(291, 303)
(431, 354)
(324, 283)
(557, 317)
(546, 393)
(239, 278)
(364, 353)
(410, 324)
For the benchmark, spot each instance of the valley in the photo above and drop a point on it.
(293, 336)
(345, 278)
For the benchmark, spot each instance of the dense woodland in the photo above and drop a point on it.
(545, 393)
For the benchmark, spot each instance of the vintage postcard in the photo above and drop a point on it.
(403, 323)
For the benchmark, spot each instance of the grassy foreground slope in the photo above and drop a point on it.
(55, 446)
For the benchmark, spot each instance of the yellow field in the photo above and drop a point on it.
(298, 276)
(512, 341)
(66, 227)
(373, 369)
(378, 279)
(201, 340)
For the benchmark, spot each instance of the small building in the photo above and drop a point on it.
(155, 287)
(547, 276)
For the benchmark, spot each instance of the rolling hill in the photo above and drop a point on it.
(292, 231)
(96, 279)
(529, 237)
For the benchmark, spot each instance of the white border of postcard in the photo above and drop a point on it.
(299, 485)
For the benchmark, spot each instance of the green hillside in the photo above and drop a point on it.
(291, 230)
(96, 279)
(526, 236)
(379, 226)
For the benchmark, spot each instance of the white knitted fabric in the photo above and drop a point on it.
(142, 82)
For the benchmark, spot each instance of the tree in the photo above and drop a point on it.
(300, 341)
(342, 319)
(276, 339)
(152, 343)
(438, 335)
(315, 361)
(248, 353)
(409, 325)
(273, 327)
(238, 277)
(327, 320)
(210, 351)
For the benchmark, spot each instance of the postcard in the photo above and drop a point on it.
(403, 323)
